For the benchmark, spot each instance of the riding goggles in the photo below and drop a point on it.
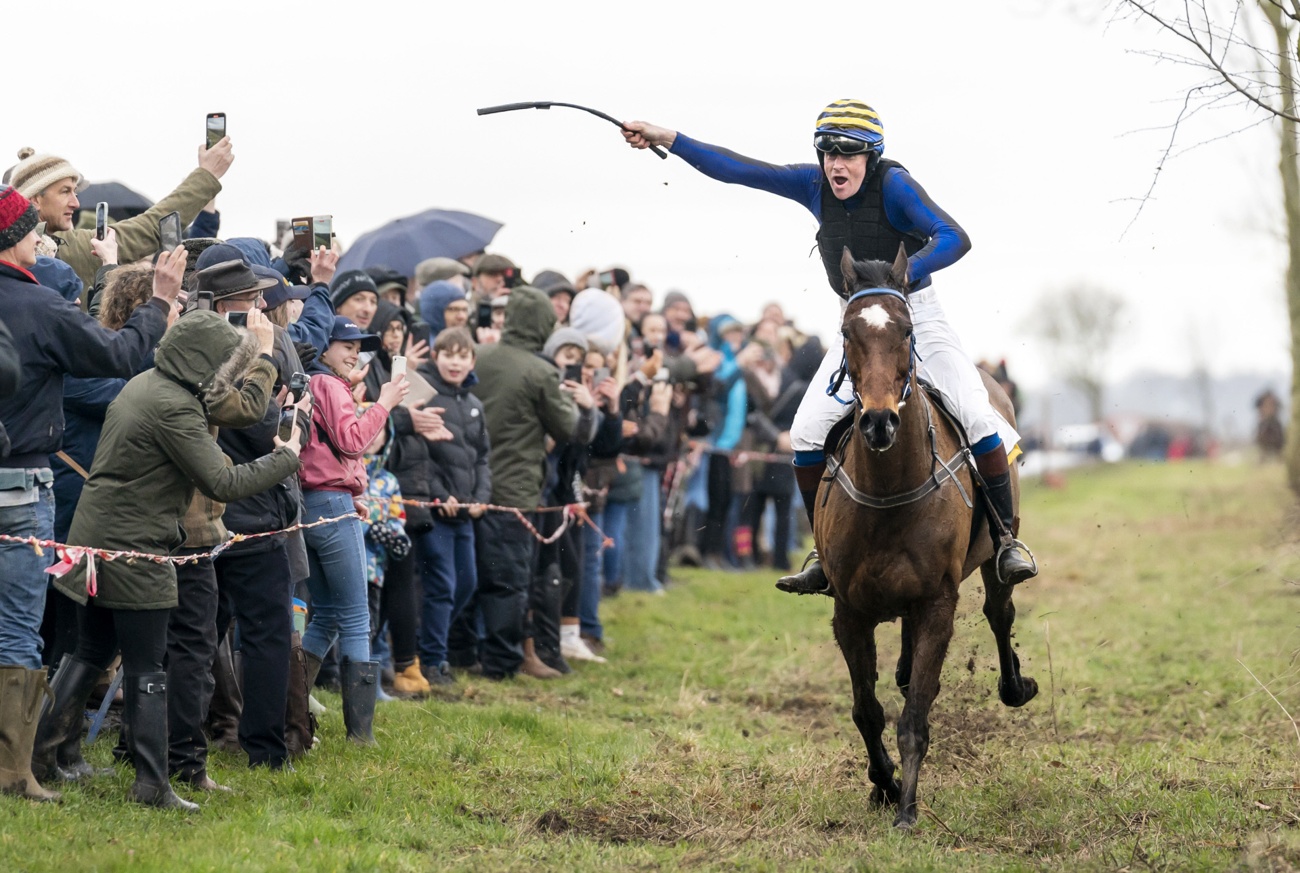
(841, 145)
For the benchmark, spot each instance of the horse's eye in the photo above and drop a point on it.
(907, 334)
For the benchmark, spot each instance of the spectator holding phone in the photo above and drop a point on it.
(155, 450)
(52, 184)
(333, 479)
(53, 338)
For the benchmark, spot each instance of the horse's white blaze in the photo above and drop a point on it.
(875, 315)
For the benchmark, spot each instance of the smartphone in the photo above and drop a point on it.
(399, 367)
(573, 373)
(169, 231)
(216, 128)
(298, 385)
(281, 232)
(485, 314)
(101, 219)
(287, 415)
(600, 375)
(238, 319)
(322, 232)
(301, 239)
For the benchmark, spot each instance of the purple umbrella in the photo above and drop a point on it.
(404, 242)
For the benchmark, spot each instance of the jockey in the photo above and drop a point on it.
(870, 204)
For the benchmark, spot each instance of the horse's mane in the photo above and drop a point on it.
(874, 274)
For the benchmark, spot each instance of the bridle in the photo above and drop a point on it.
(940, 470)
(841, 372)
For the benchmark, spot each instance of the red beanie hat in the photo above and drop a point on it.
(17, 217)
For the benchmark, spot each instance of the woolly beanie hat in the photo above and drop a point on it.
(34, 173)
(599, 316)
(564, 336)
(349, 283)
(17, 217)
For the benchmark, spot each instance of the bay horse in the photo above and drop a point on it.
(898, 528)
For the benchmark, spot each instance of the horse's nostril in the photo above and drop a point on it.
(894, 421)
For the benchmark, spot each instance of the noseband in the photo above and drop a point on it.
(838, 377)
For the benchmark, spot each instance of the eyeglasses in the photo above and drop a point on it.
(841, 145)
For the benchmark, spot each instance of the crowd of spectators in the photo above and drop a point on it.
(357, 480)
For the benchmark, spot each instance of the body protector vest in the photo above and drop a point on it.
(865, 230)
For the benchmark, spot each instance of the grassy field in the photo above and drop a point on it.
(719, 736)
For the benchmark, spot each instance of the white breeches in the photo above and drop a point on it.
(943, 363)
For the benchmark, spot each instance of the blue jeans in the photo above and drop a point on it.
(593, 579)
(641, 553)
(336, 554)
(445, 558)
(23, 580)
(616, 529)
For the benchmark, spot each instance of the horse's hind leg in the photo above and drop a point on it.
(1014, 689)
(931, 632)
(857, 638)
(903, 672)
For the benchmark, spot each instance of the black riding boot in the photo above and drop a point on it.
(57, 753)
(360, 679)
(811, 579)
(146, 714)
(1015, 562)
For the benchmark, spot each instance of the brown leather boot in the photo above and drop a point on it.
(533, 666)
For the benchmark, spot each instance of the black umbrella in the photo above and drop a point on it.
(123, 202)
(547, 104)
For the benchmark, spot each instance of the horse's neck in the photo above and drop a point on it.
(905, 464)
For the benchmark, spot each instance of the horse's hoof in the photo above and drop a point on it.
(905, 821)
(1018, 692)
(888, 796)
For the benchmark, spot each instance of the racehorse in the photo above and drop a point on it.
(898, 529)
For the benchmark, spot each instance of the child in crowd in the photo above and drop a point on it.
(460, 481)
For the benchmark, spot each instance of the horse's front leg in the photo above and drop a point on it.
(856, 636)
(931, 631)
(1014, 689)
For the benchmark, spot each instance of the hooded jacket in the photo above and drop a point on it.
(434, 300)
(522, 400)
(154, 451)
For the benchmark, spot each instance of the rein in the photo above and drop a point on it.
(939, 470)
(841, 373)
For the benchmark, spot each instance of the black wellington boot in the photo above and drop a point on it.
(1015, 562)
(811, 579)
(146, 713)
(57, 753)
(360, 680)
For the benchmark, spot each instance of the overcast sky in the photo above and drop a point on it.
(1031, 126)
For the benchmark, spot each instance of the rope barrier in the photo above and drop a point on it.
(71, 556)
(740, 457)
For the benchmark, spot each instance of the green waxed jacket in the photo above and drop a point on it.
(137, 237)
(154, 450)
(522, 400)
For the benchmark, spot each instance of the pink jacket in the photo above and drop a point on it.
(331, 460)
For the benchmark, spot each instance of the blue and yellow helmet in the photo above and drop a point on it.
(849, 127)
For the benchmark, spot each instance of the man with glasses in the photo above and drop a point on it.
(871, 206)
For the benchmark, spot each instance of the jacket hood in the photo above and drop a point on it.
(434, 300)
(385, 314)
(53, 273)
(530, 319)
(253, 250)
(198, 348)
(716, 325)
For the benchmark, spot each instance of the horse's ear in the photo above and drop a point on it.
(898, 272)
(848, 271)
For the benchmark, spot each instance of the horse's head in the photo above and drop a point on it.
(879, 356)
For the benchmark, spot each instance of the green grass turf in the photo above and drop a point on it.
(719, 735)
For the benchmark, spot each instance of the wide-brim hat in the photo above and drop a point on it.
(346, 331)
(228, 278)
